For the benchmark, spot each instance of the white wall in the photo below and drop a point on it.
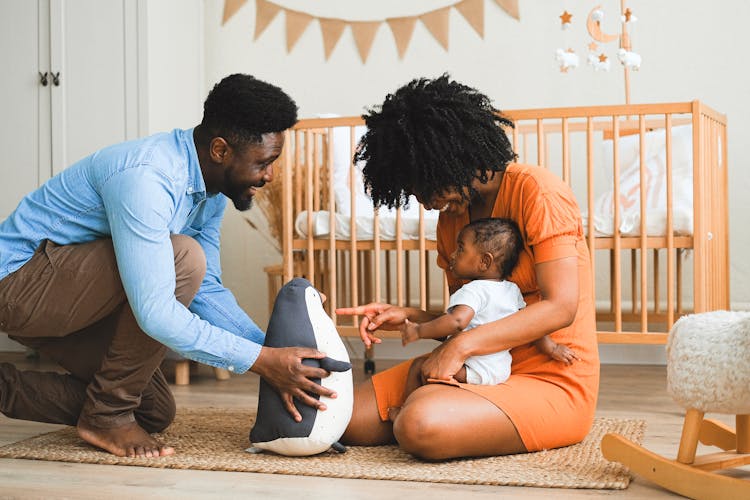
(173, 60)
(691, 50)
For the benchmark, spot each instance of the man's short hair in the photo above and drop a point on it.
(241, 108)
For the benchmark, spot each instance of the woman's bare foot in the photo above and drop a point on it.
(129, 440)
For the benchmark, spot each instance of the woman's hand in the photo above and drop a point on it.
(446, 360)
(376, 316)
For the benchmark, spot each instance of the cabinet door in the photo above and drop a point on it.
(93, 46)
(24, 134)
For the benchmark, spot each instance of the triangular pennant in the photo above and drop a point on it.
(230, 8)
(296, 23)
(364, 34)
(331, 30)
(264, 14)
(473, 12)
(436, 22)
(510, 6)
(403, 29)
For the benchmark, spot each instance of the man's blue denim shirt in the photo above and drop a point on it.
(139, 193)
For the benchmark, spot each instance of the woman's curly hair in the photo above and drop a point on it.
(430, 135)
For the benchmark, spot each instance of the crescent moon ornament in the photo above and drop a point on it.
(593, 24)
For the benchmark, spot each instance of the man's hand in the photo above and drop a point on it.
(282, 368)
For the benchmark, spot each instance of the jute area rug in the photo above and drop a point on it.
(215, 439)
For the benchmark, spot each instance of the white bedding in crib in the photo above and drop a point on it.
(387, 224)
(656, 223)
(656, 185)
(630, 218)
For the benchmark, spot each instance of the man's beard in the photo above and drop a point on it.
(242, 205)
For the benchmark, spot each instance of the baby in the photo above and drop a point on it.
(487, 251)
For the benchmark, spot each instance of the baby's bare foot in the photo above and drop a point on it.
(129, 440)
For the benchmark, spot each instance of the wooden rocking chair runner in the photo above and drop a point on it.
(707, 371)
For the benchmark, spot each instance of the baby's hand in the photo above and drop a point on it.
(562, 353)
(409, 332)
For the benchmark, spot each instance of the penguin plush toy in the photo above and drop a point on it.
(299, 320)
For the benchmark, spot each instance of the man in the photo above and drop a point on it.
(117, 258)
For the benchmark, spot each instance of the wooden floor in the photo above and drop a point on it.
(626, 391)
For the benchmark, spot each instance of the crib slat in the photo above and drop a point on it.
(399, 260)
(565, 152)
(353, 259)
(422, 263)
(299, 149)
(701, 224)
(540, 158)
(332, 254)
(591, 234)
(309, 205)
(616, 269)
(644, 220)
(670, 223)
(287, 216)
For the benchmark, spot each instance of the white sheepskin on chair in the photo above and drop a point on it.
(708, 362)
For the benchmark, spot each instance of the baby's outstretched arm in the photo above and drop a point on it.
(450, 323)
(556, 351)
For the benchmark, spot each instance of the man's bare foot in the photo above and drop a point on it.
(129, 440)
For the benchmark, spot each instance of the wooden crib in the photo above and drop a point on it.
(672, 258)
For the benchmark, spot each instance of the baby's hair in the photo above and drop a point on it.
(502, 238)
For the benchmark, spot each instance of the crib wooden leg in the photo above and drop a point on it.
(612, 283)
(182, 372)
(369, 361)
(387, 277)
(407, 272)
(634, 281)
(221, 374)
(657, 307)
(678, 265)
(689, 441)
(427, 281)
(743, 433)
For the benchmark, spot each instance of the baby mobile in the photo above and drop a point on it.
(597, 51)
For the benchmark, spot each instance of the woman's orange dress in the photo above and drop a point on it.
(550, 404)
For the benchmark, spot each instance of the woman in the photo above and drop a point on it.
(444, 142)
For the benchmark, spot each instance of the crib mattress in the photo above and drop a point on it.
(321, 226)
(630, 225)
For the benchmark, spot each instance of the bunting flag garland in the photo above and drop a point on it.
(264, 14)
(435, 21)
(402, 29)
(473, 12)
(332, 29)
(230, 8)
(364, 35)
(296, 24)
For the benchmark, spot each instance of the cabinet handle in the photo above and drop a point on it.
(55, 79)
(43, 78)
